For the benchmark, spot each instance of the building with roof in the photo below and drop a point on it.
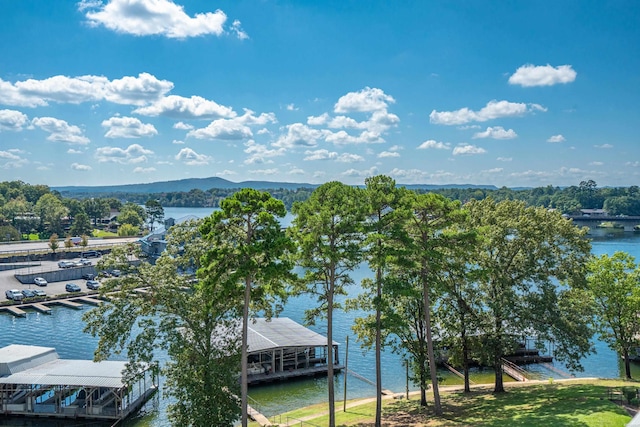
(280, 349)
(35, 382)
(154, 243)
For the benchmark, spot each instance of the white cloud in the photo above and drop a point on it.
(75, 90)
(227, 129)
(155, 17)
(73, 151)
(259, 153)
(349, 158)
(318, 120)
(542, 75)
(342, 137)
(236, 28)
(497, 132)
(493, 110)
(606, 146)
(295, 171)
(182, 126)
(596, 163)
(140, 169)
(633, 164)
(128, 127)
(80, 167)
(60, 130)
(236, 128)
(12, 120)
(264, 171)
(434, 144)
(556, 138)
(226, 172)
(195, 107)
(366, 100)
(320, 155)
(468, 149)
(299, 135)
(494, 170)
(386, 154)
(177, 142)
(134, 153)
(291, 107)
(361, 173)
(10, 160)
(190, 158)
(504, 159)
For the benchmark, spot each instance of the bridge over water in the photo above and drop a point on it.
(629, 223)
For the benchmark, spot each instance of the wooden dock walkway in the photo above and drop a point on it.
(41, 308)
(258, 417)
(88, 300)
(66, 303)
(16, 311)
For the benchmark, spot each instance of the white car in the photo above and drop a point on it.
(65, 264)
(82, 262)
(40, 281)
(14, 294)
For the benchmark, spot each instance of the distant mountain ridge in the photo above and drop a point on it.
(205, 184)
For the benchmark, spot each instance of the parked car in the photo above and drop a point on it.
(40, 281)
(39, 293)
(83, 262)
(14, 294)
(72, 287)
(116, 273)
(93, 284)
(90, 254)
(66, 264)
(88, 276)
(28, 293)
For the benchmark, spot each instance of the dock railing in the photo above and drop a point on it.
(513, 370)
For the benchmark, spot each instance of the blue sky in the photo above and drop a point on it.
(508, 93)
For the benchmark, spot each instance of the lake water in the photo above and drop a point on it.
(63, 330)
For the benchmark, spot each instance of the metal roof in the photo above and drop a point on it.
(281, 332)
(71, 372)
(15, 357)
(29, 364)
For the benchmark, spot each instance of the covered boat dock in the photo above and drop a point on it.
(281, 349)
(35, 382)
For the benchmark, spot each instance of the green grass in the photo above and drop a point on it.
(103, 234)
(581, 403)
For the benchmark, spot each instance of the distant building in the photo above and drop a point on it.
(154, 243)
(593, 212)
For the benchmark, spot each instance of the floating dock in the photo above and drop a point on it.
(35, 382)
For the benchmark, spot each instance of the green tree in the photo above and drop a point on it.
(9, 233)
(154, 212)
(81, 225)
(128, 230)
(197, 328)
(51, 210)
(433, 217)
(54, 244)
(132, 214)
(383, 228)
(17, 211)
(532, 262)
(326, 230)
(247, 255)
(613, 285)
(68, 243)
(96, 209)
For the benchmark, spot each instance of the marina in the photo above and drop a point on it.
(35, 382)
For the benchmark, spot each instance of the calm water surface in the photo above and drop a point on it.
(63, 330)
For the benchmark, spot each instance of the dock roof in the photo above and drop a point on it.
(281, 332)
(26, 364)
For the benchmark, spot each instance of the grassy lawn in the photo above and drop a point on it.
(576, 403)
